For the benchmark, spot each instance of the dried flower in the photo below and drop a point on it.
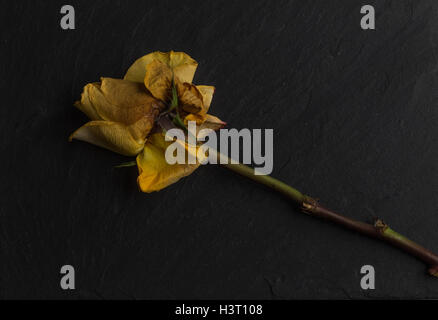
(124, 113)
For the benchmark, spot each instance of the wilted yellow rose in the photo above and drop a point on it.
(124, 113)
(127, 117)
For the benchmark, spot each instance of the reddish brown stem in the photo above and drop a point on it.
(379, 230)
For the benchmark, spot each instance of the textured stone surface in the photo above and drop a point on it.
(355, 122)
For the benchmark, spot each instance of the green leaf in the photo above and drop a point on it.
(126, 164)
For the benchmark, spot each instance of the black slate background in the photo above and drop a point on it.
(355, 121)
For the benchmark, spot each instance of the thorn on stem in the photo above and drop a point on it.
(309, 205)
(434, 271)
(380, 225)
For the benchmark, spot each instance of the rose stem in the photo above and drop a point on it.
(379, 230)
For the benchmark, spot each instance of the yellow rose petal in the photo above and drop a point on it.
(184, 67)
(207, 93)
(121, 101)
(109, 135)
(137, 70)
(154, 171)
(190, 98)
(124, 101)
(198, 118)
(158, 80)
(206, 121)
(212, 122)
(85, 105)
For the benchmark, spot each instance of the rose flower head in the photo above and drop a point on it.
(124, 114)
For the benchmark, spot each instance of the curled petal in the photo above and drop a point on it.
(154, 171)
(207, 93)
(158, 80)
(200, 117)
(109, 135)
(183, 66)
(190, 97)
(85, 105)
(206, 121)
(212, 122)
(137, 71)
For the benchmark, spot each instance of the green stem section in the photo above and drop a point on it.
(268, 181)
(379, 230)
